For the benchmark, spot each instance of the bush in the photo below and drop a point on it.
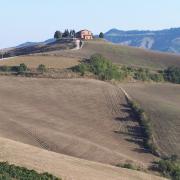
(101, 67)
(82, 69)
(9, 172)
(22, 68)
(157, 77)
(5, 68)
(129, 166)
(169, 167)
(142, 74)
(172, 74)
(41, 68)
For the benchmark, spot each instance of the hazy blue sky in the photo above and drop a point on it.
(36, 20)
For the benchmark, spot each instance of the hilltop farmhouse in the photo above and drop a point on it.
(84, 34)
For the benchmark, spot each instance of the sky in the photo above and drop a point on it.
(37, 20)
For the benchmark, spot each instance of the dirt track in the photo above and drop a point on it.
(74, 117)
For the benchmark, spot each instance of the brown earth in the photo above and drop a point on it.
(88, 119)
(66, 167)
(161, 102)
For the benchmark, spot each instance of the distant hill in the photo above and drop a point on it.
(167, 40)
(28, 44)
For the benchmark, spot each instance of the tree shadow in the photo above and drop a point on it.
(134, 132)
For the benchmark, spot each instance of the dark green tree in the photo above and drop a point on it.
(57, 35)
(66, 33)
(72, 34)
(101, 35)
(22, 68)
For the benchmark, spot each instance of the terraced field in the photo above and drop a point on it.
(84, 118)
(162, 104)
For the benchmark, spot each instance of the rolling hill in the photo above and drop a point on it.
(123, 55)
(161, 102)
(69, 168)
(85, 118)
(57, 115)
(167, 40)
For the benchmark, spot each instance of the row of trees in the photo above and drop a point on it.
(66, 34)
(70, 34)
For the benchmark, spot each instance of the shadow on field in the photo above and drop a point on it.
(130, 128)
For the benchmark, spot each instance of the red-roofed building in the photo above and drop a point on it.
(84, 34)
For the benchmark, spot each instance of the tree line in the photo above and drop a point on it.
(104, 69)
(66, 34)
(70, 34)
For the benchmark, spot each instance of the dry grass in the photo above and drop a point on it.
(124, 55)
(76, 117)
(69, 168)
(117, 53)
(161, 102)
(48, 61)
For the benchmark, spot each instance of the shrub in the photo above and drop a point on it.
(5, 68)
(128, 166)
(169, 167)
(82, 69)
(41, 68)
(22, 68)
(101, 67)
(172, 74)
(9, 172)
(157, 77)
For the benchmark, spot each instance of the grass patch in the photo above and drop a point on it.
(12, 172)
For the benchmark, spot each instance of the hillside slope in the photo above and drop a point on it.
(161, 102)
(69, 168)
(123, 55)
(77, 117)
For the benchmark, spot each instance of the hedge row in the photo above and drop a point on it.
(146, 127)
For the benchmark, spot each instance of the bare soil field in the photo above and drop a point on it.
(35, 61)
(161, 102)
(66, 167)
(83, 118)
